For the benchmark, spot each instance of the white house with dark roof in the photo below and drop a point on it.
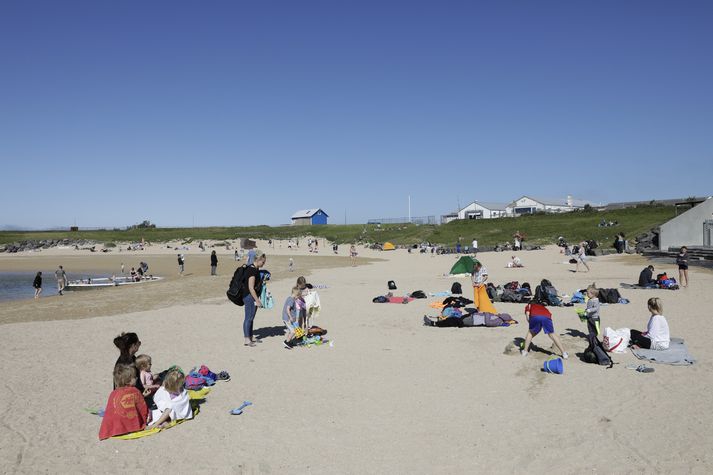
(309, 216)
(483, 210)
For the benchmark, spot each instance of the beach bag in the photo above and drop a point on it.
(616, 341)
(510, 295)
(235, 289)
(392, 285)
(266, 298)
(315, 330)
(380, 299)
(514, 285)
(609, 296)
(456, 288)
(492, 292)
(207, 373)
(418, 294)
(573, 261)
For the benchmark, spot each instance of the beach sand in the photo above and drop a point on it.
(390, 395)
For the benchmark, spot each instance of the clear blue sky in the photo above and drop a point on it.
(242, 112)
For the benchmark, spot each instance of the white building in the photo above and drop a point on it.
(483, 210)
(692, 228)
(529, 205)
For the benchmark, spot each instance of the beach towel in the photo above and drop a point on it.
(194, 396)
(624, 285)
(399, 299)
(440, 294)
(482, 301)
(312, 304)
(677, 354)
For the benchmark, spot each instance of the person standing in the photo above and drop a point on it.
(252, 289)
(251, 256)
(353, 254)
(480, 293)
(475, 247)
(682, 261)
(37, 284)
(517, 241)
(61, 277)
(213, 263)
(181, 263)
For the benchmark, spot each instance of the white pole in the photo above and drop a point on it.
(409, 208)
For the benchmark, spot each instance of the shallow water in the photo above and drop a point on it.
(18, 285)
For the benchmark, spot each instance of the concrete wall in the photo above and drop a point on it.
(686, 229)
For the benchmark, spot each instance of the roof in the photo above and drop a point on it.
(492, 206)
(558, 201)
(307, 213)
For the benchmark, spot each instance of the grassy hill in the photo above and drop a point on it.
(539, 229)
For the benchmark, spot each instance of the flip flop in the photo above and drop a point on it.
(239, 410)
(640, 368)
(96, 412)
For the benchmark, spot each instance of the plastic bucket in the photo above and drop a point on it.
(553, 366)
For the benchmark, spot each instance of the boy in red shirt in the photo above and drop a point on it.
(539, 318)
(126, 410)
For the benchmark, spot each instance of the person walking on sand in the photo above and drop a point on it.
(252, 289)
(61, 277)
(122, 268)
(581, 257)
(213, 263)
(682, 261)
(181, 264)
(37, 284)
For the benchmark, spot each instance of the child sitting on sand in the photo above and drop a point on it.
(126, 410)
(656, 336)
(148, 379)
(171, 399)
(290, 315)
(540, 318)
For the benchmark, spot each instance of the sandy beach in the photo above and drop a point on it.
(389, 396)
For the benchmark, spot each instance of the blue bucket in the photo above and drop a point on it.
(553, 366)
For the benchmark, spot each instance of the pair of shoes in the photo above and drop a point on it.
(427, 321)
(223, 376)
(286, 345)
(252, 343)
(565, 355)
(523, 352)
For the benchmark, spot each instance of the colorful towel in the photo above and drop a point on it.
(482, 301)
(399, 299)
(194, 396)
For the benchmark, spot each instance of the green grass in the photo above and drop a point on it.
(539, 229)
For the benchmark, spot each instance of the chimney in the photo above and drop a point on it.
(569, 200)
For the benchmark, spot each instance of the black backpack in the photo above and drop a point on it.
(391, 284)
(595, 353)
(237, 283)
(418, 294)
(456, 288)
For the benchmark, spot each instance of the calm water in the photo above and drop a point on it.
(18, 285)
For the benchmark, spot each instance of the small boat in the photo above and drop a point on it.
(102, 282)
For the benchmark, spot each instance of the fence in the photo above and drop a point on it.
(413, 220)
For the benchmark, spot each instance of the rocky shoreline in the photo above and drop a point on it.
(37, 245)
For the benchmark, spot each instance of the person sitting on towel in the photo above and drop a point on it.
(656, 336)
(646, 278)
(126, 411)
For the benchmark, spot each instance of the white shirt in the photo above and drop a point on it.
(479, 277)
(180, 406)
(475, 244)
(657, 331)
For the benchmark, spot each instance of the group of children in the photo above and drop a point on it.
(141, 399)
(656, 336)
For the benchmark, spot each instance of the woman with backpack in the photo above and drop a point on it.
(252, 289)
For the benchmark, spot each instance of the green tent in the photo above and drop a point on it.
(464, 265)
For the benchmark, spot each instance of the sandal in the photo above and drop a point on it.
(252, 343)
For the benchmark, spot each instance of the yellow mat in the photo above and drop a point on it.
(194, 396)
(482, 301)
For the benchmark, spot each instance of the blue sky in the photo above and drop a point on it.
(238, 113)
